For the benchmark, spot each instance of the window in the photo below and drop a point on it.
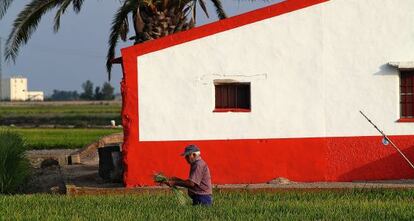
(407, 94)
(233, 97)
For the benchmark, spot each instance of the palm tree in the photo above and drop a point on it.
(151, 19)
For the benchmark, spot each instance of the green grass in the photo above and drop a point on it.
(14, 167)
(64, 114)
(40, 138)
(348, 205)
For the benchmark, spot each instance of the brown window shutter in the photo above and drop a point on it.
(232, 96)
(407, 94)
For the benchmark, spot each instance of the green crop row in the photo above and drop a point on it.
(79, 115)
(321, 205)
(73, 109)
(79, 121)
(44, 138)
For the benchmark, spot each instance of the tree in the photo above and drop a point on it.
(107, 91)
(64, 95)
(98, 94)
(151, 19)
(87, 91)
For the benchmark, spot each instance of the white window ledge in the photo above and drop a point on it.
(406, 65)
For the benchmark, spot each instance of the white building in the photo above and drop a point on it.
(15, 89)
(35, 96)
(276, 93)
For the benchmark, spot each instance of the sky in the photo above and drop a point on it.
(63, 61)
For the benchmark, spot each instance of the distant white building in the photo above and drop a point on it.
(35, 96)
(15, 89)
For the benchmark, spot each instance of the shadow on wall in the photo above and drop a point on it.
(378, 162)
(385, 70)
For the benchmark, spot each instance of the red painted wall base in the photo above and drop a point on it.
(258, 161)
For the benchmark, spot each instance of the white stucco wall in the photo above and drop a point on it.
(311, 71)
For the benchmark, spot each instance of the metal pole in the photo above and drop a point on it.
(389, 140)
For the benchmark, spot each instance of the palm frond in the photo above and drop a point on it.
(77, 5)
(203, 6)
(25, 24)
(219, 9)
(62, 9)
(123, 33)
(194, 10)
(4, 5)
(118, 24)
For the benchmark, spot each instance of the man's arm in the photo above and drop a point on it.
(175, 181)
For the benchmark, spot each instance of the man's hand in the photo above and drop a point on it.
(175, 181)
(170, 183)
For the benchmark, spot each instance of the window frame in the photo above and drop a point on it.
(405, 119)
(232, 109)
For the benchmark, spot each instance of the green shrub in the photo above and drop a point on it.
(14, 167)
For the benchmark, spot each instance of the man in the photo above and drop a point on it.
(199, 180)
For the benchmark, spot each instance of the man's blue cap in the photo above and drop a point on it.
(190, 149)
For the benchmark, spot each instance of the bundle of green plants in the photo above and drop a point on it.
(14, 167)
(179, 195)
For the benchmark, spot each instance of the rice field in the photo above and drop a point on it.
(79, 114)
(45, 138)
(321, 205)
